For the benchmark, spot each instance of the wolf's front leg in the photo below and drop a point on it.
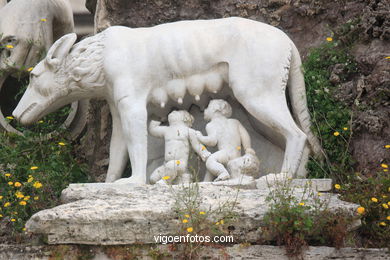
(118, 149)
(133, 117)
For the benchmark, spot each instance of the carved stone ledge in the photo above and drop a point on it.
(110, 214)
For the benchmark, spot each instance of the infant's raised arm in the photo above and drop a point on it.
(211, 138)
(156, 130)
(198, 147)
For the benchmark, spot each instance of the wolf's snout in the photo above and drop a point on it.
(23, 114)
(16, 115)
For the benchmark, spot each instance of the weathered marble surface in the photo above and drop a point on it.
(107, 214)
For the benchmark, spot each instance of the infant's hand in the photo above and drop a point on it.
(198, 134)
(154, 123)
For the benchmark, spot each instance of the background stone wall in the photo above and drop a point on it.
(308, 23)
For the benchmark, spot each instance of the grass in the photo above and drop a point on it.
(33, 172)
(332, 120)
(297, 223)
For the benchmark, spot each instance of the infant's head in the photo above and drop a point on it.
(217, 106)
(181, 116)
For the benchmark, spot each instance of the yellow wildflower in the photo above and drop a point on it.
(388, 203)
(23, 203)
(40, 121)
(24, 229)
(336, 133)
(9, 46)
(238, 148)
(13, 220)
(302, 204)
(384, 196)
(337, 186)
(166, 177)
(329, 39)
(385, 206)
(43, 20)
(384, 165)
(319, 194)
(19, 195)
(387, 146)
(10, 183)
(374, 199)
(345, 128)
(37, 185)
(385, 170)
(388, 57)
(177, 162)
(388, 217)
(17, 184)
(361, 210)
(202, 213)
(7, 204)
(222, 222)
(1, 216)
(30, 179)
(382, 224)
(190, 229)
(185, 220)
(187, 216)
(7, 174)
(203, 148)
(27, 198)
(33, 167)
(217, 223)
(30, 69)
(61, 143)
(1, 197)
(10, 117)
(36, 198)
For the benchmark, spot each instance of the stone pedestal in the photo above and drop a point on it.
(111, 214)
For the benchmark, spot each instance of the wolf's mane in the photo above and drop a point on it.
(85, 60)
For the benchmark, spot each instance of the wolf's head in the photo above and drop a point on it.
(61, 78)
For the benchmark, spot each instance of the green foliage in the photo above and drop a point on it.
(332, 123)
(299, 222)
(331, 119)
(192, 214)
(25, 189)
(195, 219)
(373, 194)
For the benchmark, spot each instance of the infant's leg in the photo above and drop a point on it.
(208, 177)
(157, 174)
(175, 168)
(214, 165)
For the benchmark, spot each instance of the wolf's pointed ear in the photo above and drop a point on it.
(60, 49)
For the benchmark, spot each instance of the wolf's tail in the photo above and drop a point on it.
(297, 94)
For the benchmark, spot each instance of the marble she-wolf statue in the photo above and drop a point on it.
(131, 68)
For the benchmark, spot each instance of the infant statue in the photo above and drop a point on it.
(177, 137)
(230, 137)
